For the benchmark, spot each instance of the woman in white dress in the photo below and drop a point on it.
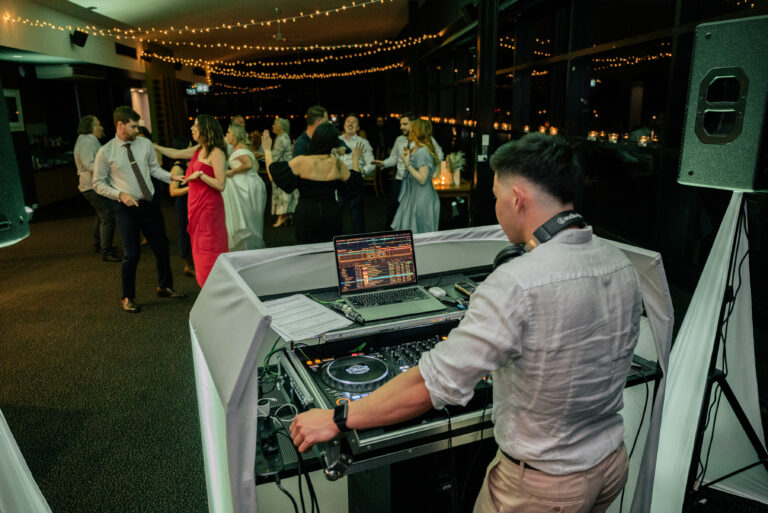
(245, 196)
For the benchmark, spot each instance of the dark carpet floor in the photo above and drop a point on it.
(102, 403)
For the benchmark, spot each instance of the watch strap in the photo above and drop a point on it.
(340, 416)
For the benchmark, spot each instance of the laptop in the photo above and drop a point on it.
(377, 275)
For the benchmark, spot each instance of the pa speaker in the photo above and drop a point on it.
(13, 216)
(78, 38)
(724, 142)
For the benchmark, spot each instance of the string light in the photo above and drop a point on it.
(302, 76)
(141, 34)
(317, 13)
(275, 48)
(603, 63)
(386, 46)
(233, 90)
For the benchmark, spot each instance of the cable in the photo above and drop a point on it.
(314, 504)
(730, 299)
(286, 492)
(475, 459)
(291, 407)
(452, 477)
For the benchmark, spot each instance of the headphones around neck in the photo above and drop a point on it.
(542, 234)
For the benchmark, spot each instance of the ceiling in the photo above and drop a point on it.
(381, 19)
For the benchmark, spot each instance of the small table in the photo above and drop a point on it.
(463, 190)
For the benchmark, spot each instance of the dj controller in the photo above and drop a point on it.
(325, 375)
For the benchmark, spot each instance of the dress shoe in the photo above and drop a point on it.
(169, 293)
(111, 257)
(128, 305)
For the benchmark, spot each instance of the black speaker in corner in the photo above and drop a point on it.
(724, 142)
(13, 216)
(78, 38)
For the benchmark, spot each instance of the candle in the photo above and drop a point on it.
(613, 138)
(643, 141)
(592, 136)
(552, 130)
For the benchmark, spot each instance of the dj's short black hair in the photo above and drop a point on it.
(548, 161)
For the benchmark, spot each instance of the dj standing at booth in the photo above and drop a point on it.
(557, 326)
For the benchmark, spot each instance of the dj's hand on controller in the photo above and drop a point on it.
(312, 427)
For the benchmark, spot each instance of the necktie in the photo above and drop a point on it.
(146, 195)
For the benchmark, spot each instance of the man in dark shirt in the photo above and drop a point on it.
(314, 116)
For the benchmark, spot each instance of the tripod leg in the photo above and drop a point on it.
(757, 444)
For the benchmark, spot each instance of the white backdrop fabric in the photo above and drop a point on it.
(228, 326)
(688, 365)
(18, 489)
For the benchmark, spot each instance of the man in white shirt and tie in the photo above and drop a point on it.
(351, 139)
(122, 172)
(395, 160)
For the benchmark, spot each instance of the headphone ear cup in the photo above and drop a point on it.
(507, 254)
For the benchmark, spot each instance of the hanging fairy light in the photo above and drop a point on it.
(388, 46)
(140, 33)
(603, 63)
(302, 76)
(234, 90)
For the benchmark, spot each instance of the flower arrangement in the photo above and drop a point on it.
(455, 162)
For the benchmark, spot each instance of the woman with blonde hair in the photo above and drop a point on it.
(207, 178)
(322, 178)
(283, 203)
(419, 209)
(245, 196)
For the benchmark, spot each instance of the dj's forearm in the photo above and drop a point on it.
(401, 399)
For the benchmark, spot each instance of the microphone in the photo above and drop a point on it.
(348, 312)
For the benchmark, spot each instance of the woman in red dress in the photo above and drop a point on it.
(206, 176)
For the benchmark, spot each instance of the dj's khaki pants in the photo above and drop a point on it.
(510, 488)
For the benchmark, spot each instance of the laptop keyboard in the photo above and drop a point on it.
(387, 297)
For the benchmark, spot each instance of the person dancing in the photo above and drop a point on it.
(283, 203)
(419, 209)
(245, 196)
(206, 177)
(319, 176)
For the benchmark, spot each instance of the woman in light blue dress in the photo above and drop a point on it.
(419, 209)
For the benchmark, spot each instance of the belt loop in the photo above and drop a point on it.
(522, 468)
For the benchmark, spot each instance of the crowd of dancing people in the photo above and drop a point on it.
(220, 197)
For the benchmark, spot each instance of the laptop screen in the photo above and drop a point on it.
(375, 260)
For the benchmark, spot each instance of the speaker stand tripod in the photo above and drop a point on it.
(717, 376)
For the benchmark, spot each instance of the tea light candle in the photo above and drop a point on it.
(613, 138)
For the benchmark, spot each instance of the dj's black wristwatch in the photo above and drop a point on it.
(340, 416)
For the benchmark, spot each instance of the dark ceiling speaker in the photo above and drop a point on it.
(726, 133)
(14, 225)
(78, 38)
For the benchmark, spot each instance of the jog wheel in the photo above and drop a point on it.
(356, 373)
